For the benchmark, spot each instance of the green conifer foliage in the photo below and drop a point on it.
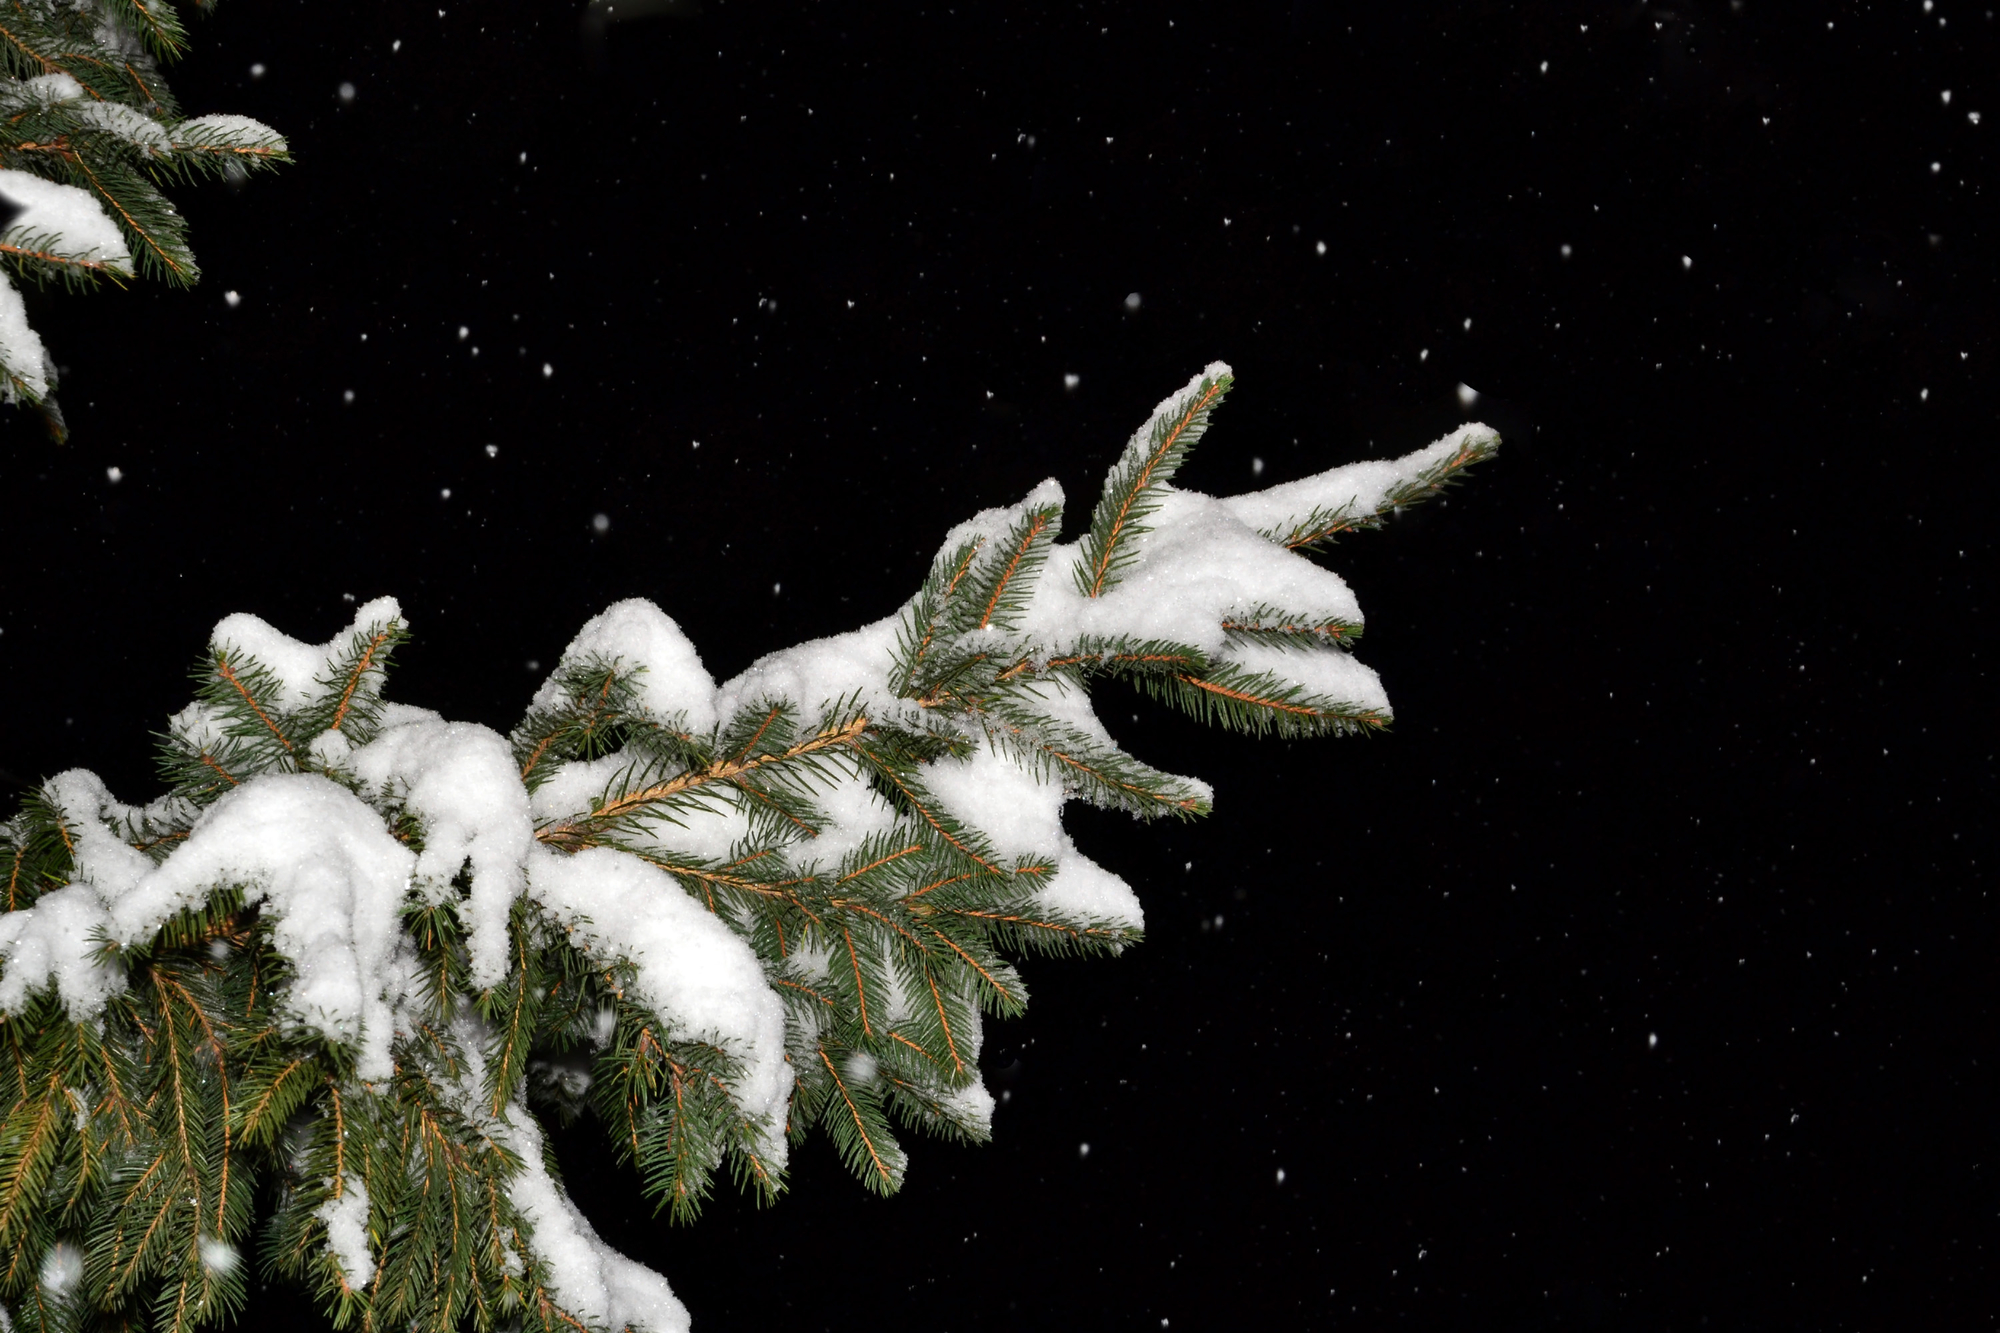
(354, 951)
(92, 132)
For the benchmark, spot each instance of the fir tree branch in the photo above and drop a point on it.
(356, 673)
(158, 22)
(931, 612)
(1027, 547)
(584, 831)
(225, 669)
(142, 1112)
(159, 243)
(1323, 524)
(860, 985)
(1010, 1001)
(947, 830)
(1267, 624)
(28, 1144)
(882, 1180)
(71, 267)
(1258, 704)
(1131, 492)
(944, 1021)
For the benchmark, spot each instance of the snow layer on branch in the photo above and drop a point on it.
(228, 131)
(705, 823)
(1329, 675)
(675, 682)
(992, 524)
(712, 831)
(103, 860)
(1082, 888)
(1007, 801)
(1197, 565)
(333, 878)
(462, 782)
(53, 941)
(298, 666)
(346, 1220)
(21, 351)
(1358, 488)
(72, 214)
(854, 812)
(49, 89)
(692, 971)
(590, 1279)
(821, 672)
(972, 1102)
(126, 122)
(572, 788)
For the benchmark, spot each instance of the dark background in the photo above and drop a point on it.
(1694, 733)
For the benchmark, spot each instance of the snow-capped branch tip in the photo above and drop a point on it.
(1310, 514)
(1131, 491)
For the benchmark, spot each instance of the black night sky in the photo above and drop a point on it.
(1638, 978)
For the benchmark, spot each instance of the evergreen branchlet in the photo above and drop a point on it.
(169, 1075)
(88, 111)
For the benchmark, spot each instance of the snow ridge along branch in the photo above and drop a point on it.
(357, 949)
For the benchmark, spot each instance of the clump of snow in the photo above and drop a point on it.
(1017, 811)
(61, 1267)
(854, 812)
(228, 131)
(103, 860)
(22, 356)
(331, 749)
(298, 666)
(218, 1256)
(461, 781)
(52, 942)
(675, 683)
(592, 1280)
(199, 727)
(1081, 887)
(1329, 675)
(326, 869)
(972, 1104)
(50, 89)
(129, 123)
(1200, 563)
(571, 788)
(992, 524)
(56, 941)
(713, 830)
(692, 971)
(394, 714)
(69, 213)
(346, 1219)
(821, 672)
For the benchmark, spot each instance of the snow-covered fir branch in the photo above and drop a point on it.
(355, 944)
(92, 131)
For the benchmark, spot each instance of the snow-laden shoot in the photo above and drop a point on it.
(92, 129)
(356, 947)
